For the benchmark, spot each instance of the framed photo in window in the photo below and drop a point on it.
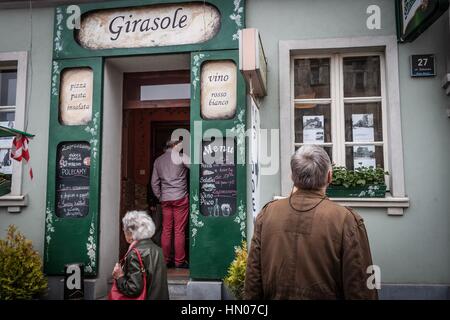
(362, 126)
(364, 156)
(313, 129)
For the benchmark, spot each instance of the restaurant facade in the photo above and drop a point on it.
(102, 85)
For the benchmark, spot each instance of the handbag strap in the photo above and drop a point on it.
(140, 260)
(144, 275)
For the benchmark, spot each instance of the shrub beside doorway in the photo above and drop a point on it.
(21, 276)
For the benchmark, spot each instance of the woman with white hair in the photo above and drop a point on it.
(138, 228)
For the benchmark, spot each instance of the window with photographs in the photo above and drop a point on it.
(8, 87)
(13, 98)
(339, 104)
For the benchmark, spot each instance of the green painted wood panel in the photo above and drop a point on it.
(74, 240)
(66, 46)
(213, 239)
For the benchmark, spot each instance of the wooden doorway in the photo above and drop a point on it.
(161, 131)
(146, 126)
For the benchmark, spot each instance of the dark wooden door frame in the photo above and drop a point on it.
(131, 103)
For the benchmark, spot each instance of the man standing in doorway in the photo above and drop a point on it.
(169, 184)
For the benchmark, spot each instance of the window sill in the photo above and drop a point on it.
(14, 203)
(394, 205)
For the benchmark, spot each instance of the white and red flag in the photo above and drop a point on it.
(20, 151)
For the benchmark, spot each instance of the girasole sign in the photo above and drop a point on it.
(149, 26)
(136, 27)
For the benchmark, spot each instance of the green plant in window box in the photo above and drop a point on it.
(5, 184)
(364, 182)
(21, 275)
(236, 272)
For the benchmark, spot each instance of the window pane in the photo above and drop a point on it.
(6, 120)
(328, 150)
(6, 117)
(312, 78)
(362, 77)
(312, 123)
(5, 160)
(166, 91)
(363, 122)
(364, 156)
(8, 81)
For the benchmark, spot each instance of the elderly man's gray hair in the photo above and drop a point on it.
(310, 166)
(139, 224)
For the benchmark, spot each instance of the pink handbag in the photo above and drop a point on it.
(115, 294)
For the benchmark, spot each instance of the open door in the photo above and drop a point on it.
(155, 104)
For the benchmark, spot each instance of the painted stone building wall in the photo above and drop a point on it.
(411, 248)
(20, 32)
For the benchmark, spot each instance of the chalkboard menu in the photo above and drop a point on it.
(72, 179)
(218, 178)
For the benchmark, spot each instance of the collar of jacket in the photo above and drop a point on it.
(144, 242)
(309, 193)
(303, 199)
(142, 245)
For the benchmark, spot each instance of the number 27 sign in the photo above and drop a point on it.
(423, 65)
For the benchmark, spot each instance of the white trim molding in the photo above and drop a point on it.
(14, 203)
(15, 199)
(386, 44)
(394, 206)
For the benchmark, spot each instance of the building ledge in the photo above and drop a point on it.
(14, 203)
(394, 205)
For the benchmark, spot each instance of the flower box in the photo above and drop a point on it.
(370, 191)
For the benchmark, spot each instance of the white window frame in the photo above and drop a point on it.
(15, 200)
(331, 101)
(395, 200)
(337, 102)
(381, 99)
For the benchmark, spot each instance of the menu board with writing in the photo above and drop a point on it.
(218, 178)
(72, 179)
